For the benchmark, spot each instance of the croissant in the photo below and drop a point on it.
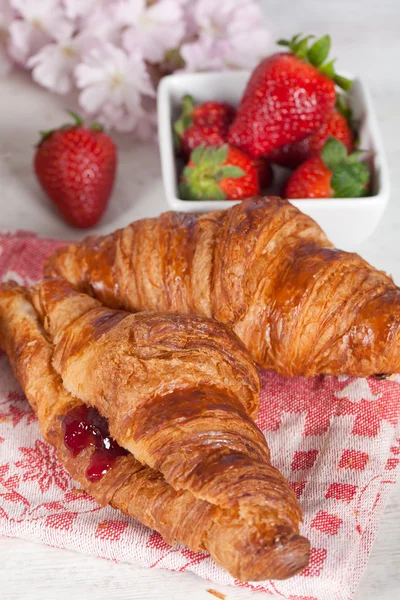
(266, 270)
(184, 458)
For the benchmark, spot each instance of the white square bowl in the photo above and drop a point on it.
(346, 221)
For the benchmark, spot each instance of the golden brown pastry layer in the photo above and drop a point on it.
(253, 538)
(263, 268)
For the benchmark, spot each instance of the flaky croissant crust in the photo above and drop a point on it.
(263, 268)
(253, 538)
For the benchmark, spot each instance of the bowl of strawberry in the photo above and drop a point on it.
(293, 127)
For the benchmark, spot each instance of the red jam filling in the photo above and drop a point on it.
(83, 427)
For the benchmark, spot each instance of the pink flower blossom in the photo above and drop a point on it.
(110, 51)
(223, 40)
(155, 29)
(53, 66)
(112, 83)
(37, 24)
(201, 55)
(78, 8)
(103, 21)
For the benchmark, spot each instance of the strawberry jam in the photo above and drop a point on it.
(83, 427)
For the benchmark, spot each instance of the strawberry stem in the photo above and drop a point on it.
(78, 122)
(316, 55)
(76, 118)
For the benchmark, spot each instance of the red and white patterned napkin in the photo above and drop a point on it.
(337, 440)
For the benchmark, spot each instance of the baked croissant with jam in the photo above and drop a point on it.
(150, 413)
(263, 268)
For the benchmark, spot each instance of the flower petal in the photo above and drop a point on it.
(92, 97)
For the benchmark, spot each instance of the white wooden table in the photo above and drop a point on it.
(365, 34)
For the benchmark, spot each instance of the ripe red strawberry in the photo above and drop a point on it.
(219, 173)
(206, 124)
(76, 167)
(333, 174)
(292, 155)
(288, 96)
(264, 170)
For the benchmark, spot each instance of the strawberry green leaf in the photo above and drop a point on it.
(178, 128)
(176, 140)
(343, 106)
(77, 120)
(45, 134)
(351, 180)
(213, 192)
(355, 156)
(187, 104)
(220, 155)
(196, 155)
(200, 180)
(350, 176)
(185, 120)
(328, 69)
(301, 47)
(96, 127)
(207, 158)
(343, 82)
(291, 43)
(231, 172)
(183, 123)
(187, 172)
(319, 51)
(333, 153)
(208, 189)
(316, 55)
(185, 191)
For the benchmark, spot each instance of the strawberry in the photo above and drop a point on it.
(333, 174)
(289, 95)
(76, 167)
(264, 170)
(206, 124)
(292, 155)
(219, 173)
